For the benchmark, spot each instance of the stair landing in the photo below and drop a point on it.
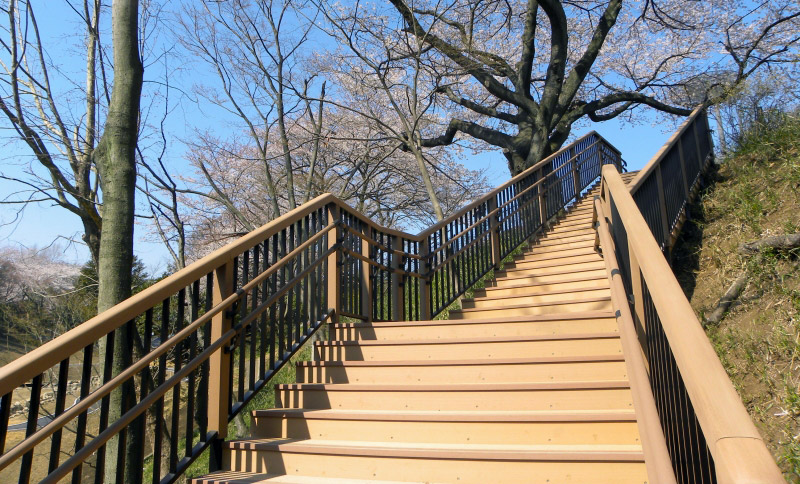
(525, 383)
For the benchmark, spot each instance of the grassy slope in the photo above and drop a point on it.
(756, 193)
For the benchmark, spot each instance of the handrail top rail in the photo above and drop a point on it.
(734, 441)
(656, 160)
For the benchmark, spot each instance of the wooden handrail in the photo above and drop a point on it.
(654, 446)
(739, 452)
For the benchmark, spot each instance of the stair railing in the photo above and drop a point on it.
(707, 431)
(195, 348)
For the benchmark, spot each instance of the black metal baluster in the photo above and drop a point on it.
(5, 414)
(176, 390)
(30, 427)
(202, 407)
(105, 407)
(61, 397)
(158, 437)
(254, 324)
(263, 318)
(273, 317)
(243, 331)
(282, 305)
(306, 285)
(80, 431)
(144, 385)
(190, 394)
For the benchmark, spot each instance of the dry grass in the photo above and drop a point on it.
(756, 193)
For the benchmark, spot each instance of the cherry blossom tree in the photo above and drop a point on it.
(381, 73)
(523, 73)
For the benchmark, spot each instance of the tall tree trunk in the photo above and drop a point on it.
(115, 158)
(426, 179)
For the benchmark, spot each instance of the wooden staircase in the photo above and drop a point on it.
(526, 383)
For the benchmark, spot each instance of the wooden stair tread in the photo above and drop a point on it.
(538, 304)
(536, 284)
(471, 362)
(495, 339)
(550, 264)
(565, 269)
(548, 293)
(482, 452)
(458, 387)
(510, 319)
(533, 258)
(233, 477)
(623, 415)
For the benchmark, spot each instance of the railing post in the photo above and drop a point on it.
(334, 264)
(219, 383)
(683, 167)
(425, 282)
(494, 229)
(542, 199)
(397, 288)
(576, 179)
(700, 159)
(662, 205)
(638, 298)
(366, 274)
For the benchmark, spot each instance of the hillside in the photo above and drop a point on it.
(754, 193)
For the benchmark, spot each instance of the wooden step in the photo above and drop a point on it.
(576, 220)
(509, 427)
(474, 370)
(548, 275)
(555, 307)
(550, 260)
(495, 300)
(461, 463)
(558, 247)
(578, 283)
(464, 348)
(560, 267)
(577, 230)
(597, 321)
(551, 241)
(586, 249)
(585, 396)
(230, 477)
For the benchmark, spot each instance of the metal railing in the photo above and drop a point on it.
(204, 341)
(706, 433)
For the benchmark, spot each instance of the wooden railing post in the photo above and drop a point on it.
(542, 199)
(683, 168)
(219, 383)
(425, 282)
(494, 229)
(638, 297)
(700, 159)
(366, 274)
(334, 264)
(576, 178)
(397, 288)
(662, 206)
